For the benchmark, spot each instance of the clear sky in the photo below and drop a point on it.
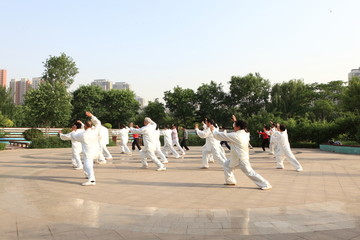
(157, 44)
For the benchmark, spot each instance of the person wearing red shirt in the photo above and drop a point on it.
(265, 138)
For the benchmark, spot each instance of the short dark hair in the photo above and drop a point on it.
(242, 124)
(88, 124)
(210, 121)
(78, 125)
(282, 127)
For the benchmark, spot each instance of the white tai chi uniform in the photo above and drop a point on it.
(103, 141)
(239, 157)
(175, 140)
(90, 143)
(149, 138)
(124, 136)
(158, 147)
(283, 151)
(168, 143)
(76, 148)
(272, 144)
(211, 145)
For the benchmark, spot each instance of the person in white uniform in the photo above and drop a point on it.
(168, 143)
(158, 151)
(76, 146)
(283, 150)
(149, 138)
(90, 144)
(239, 154)
(124, 136)
(212, 145)
(104, 153)
(175, 139)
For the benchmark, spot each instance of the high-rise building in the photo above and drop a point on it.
(18, 89)
(3, 74)
(121, 85)
(141, 101)
(354, 73)
(103, 83)
(35, 82)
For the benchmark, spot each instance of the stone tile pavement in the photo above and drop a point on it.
(41, 197)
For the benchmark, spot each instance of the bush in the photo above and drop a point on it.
(66, 130)
(2, 146)
(195, 140)
(32, 134)
(108, 125)
(49, 142)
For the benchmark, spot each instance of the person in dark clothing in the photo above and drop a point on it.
(185, 137)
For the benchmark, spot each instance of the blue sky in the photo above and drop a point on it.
(157, 44)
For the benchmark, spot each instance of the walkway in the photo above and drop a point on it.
(41, 198)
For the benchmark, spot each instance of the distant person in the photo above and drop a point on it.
(283, 151)
(76, 128)
(90, 144)
(136, 140)
(185, 137)
(175, 139)
(265, 138)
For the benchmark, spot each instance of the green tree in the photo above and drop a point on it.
(60, 69)
(88, 98)
(211, 101)
(351, 96)
(156, 111)
(249, 94)
(119, 107)
(181, 103)
(291, 98)
(48, 106)
(7, 107)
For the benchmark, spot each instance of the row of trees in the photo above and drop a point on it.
(332, 107)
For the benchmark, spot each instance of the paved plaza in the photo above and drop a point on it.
(41, 197)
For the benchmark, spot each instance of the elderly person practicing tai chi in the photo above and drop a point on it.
(76, 146)
(104, 153)
(149, 138)
(124, 136)
(239, 154)
(90, 143)
(212, 145)
(168, 144)
(282, 149)
(175, 139)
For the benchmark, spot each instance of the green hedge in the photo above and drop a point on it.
(2, 146)
(33, 133)
(50, 142)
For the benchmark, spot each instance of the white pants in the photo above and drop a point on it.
(124, 148)
(89, 166)
(169, 147)
(160, 154)
(176, 143)
(246, 168)
(216, 153)
(287, 154)
(75, 158)
(150, 154)
(104, 152)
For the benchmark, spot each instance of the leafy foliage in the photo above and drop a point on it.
(49, 142)
(61, 69)
(33, 133)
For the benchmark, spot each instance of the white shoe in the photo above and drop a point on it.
(144, 167)
(299, 170)
(79, 168)
(183, 153)
(109, 159)
(177, 157)
(161, 169)
(165, 162)
(102, 161)
(267, 187)
(89, 183)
